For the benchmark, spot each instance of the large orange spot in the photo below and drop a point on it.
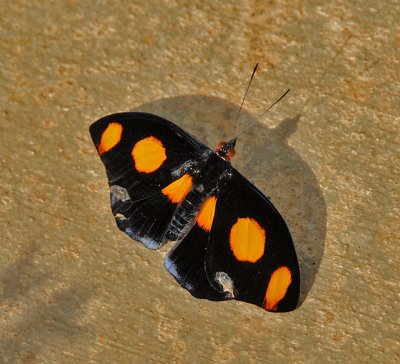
(277, 287)
(148, 154)
(177, 190)
(206, 215)
(247, 240)
(110, 137)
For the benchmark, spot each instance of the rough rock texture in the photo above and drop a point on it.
(75, 289)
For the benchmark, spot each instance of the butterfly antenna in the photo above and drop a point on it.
(244, 97)
(269, 108)
(365, 69)
(325, 71)
(286, 92)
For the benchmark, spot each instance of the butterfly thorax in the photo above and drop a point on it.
(208, 179)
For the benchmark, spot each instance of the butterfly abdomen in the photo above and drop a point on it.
(184, 216)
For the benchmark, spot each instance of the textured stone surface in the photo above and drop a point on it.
(75, 289)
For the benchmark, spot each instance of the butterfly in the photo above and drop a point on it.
(230, 240)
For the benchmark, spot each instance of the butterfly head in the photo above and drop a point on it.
(226, 150)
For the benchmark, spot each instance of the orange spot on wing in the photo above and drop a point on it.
(206, 215)
(148, 154)
(247, 240)
(177, 190)
(110, 137)
(277, 287)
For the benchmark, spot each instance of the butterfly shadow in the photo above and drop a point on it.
(38, 312)
(265, 157)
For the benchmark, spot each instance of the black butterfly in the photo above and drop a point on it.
(230, 241)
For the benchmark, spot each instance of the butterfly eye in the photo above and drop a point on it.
(231, 153)
(220, 146)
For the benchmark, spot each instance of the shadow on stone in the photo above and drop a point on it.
(266, 159)
(39, 310)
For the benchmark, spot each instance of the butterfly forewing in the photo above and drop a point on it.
(144, 155)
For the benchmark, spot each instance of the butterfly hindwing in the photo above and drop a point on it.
(185, 261)
(247, 254)
(146, 159)
(251, 246)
